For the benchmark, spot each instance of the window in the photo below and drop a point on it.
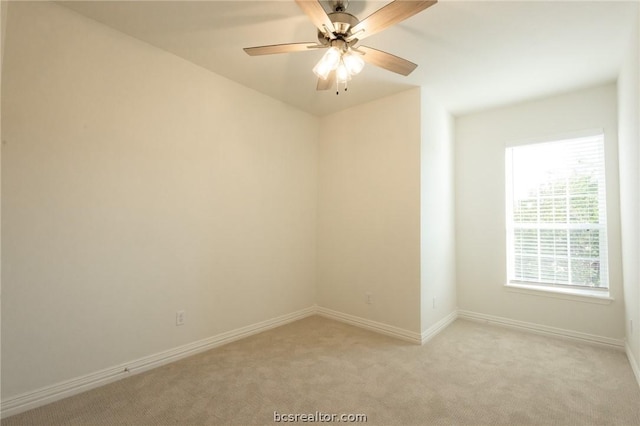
(556, 214)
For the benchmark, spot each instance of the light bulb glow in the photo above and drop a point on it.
(342, 73)
(327, 63)
(353, 62)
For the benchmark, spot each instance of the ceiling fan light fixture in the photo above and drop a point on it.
(340, 31)
(342, 73)
(327, 63)
(353, 62)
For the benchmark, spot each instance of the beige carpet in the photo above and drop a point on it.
(471, 374)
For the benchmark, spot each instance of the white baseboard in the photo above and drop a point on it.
(436, 328)
(542, 329)
(48, 394)
(378, 327)
(634, 363)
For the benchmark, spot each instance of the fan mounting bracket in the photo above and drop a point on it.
(339, 5)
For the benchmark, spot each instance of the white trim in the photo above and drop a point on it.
(576, 134)
(579, 295)
(633, 362)
(542, 329)
(48, 394)
(389, 330)
(436, 328)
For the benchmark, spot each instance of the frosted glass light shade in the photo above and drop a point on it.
(342, 73)
(353, 62)
(327, 63)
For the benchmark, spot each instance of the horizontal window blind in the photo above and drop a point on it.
(556, 213)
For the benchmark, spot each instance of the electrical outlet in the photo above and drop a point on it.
(368, 298)
(180, 318)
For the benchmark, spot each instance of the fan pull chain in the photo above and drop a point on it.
(338, 87)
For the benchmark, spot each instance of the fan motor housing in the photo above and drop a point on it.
(342, 22)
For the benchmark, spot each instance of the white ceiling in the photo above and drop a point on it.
(470, 54)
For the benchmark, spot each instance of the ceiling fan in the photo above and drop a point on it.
(340, 32)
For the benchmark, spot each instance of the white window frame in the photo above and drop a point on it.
(563, 290)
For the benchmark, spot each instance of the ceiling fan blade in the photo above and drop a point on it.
(328, 83)
(391, 14)
(386, 60)
(314, 10)
(280, 48)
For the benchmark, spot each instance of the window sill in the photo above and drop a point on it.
(580, 295)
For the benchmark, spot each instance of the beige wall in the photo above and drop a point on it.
(480, 209)
(369, 211)
(135, 184)
(437, 213)
(3, 26)
(629, 123)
